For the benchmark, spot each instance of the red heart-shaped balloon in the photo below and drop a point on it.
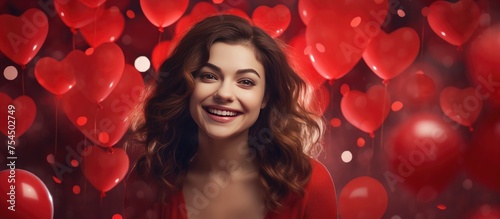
(22, 37)
(160, 54)
(30, 196)
(75, 14)
(93, 3)
(56, 77)
(237, 12)
(104, 169)
(390, 54)
(301, 61)
(273, 20)
(366, 111)
(484, 67)
(22, 115)
(461, 105)
(107, 28)
(454, 22)
(200, 10)
(338, 36)
(163, 13)
(112, 121)
(97, 74)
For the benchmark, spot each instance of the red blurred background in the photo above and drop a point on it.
(430, 146)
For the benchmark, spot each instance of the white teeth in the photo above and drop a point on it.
(221, 112)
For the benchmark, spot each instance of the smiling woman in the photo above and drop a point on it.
(226, 133)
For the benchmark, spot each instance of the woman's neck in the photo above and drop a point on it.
(229, 154)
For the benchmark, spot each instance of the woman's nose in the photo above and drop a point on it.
(225, 93)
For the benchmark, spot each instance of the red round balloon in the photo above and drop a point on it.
(363, 197)
(461, 105)
(75, 14)
(484, 67)
(107, 28)
(388, 55)
(104, 169)
(443, 19)
(366, 111)
(97, 74)
(113, 119)
(423, 154)
(272, 20)
(56, 77)
(24, 110)
(22, 37)
(301, 62)
(481, 157)
(163, 13)
(27, 193)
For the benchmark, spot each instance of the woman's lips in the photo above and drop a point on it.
(219, 115)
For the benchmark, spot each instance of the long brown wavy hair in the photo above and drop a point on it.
(288, 130)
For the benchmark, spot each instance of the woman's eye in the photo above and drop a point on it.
(247, 82)
(208, 76)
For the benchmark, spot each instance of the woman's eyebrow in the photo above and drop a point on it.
(240, 71)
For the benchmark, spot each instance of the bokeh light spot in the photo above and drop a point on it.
(441, 207)
(51, 159)
(117, 216)
(320, 47)
(401, 13)
(467, 184)
(361, 142)
(89, 51)
(335, 122)
(485, 20)
(10, 73)
(76, 189)
(114, 9)
(126, 39)
(142, 63)
(104, 137)
(57, 180)
(130, 14)
(425, 11)
(344, 88)
(396, 106)
(74, 163)
(217, 1)
(307, 50)
(346, 156)
(355, 21)
(81, 121)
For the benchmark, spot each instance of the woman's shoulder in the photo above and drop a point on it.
(320, 192)
(320, 173)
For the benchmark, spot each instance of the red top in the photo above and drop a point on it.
(318, 201)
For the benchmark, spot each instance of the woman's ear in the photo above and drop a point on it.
(264, 101)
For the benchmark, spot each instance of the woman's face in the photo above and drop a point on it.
(229, 91)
